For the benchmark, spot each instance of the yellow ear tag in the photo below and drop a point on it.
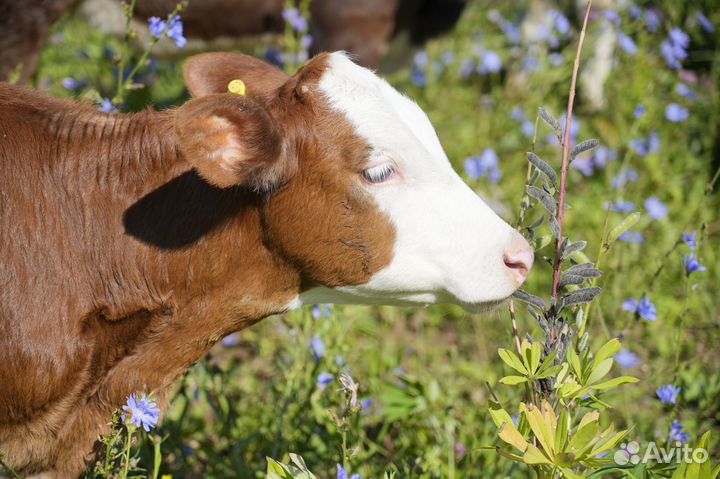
(237, 87)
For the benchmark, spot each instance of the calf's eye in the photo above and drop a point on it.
(379, 174)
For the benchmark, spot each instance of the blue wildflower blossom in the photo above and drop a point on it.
(674, 49)
(366, 404)
(653, 20)
(231, 340)
(485, 165)
(528, 128)
(613, 16)
(668, 394)
(583, 165)
(627, 44)
(639, 111)
(106, 106)
(598, 161)
(294, 18)
(676, 113)
(317, 346)
(692, 265)
(342, 473)
(656, 208)
(417, 76)
(324, 379)
(632, 237)
(677, 433)
(490, 63)
(654, 142)
(306, 41)
(320, 311)
(421, 59)
(690, 239)
(517, 114)
(626, 359)
(643, 308)
(73, 84)
(157, 27)
(622, 206)
(141, 412)
(684, 91)
(624, 177)
(704, 22)
(173, 30)
(560, 21)
(530, 63)
(639, 146)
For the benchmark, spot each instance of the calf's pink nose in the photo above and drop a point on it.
(519, 258)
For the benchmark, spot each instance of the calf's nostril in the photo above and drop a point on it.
(519, 261)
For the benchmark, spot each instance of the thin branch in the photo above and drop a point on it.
(566, 155)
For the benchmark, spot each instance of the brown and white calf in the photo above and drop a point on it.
(130, 244)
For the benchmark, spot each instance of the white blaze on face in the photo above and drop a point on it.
(450, 246)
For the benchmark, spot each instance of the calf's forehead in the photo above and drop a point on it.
(386, 119)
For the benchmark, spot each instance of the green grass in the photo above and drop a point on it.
(259, 398)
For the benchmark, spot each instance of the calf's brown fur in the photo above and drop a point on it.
(122, 260)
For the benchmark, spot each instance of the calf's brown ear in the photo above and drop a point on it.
(231, 140)
(210, 73)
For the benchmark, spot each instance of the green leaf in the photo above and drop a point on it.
(581, 296)
(277, 470)
(549, 119)
(599, 371)
(584, 146)
(574, 361)
(614, 383)
(513, 380)
(573, 247)
(608, 350)
(624, 225)
(499, 415)
(543, 167)
(543, 197)
(512, 360)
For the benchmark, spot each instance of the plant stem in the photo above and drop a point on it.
(126, 468)
(8, 468)
(566, 156)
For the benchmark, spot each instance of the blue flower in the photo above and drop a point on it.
(639, 146)
(556, 59)
(654, 142)
(583, 165)
(517, 114)
(626, 359)
(690, 239)
(668, 394)
(627, 44)
(598, 161)
(692, 265)
(324, 379)
(674, 49)
(656, 208)
(622, 206)
(421, 59)
(512, 32)
(366, 404)
(490, 63)
(140, 412)
(173, 30)
(530, 63)
(485, 165)
(342, 473)
(625, 176)
(320, 311)
(632, 237)
(676, 113)
(704, 22)
(562, 24)
(528, 128)
(684, 91)
(639, 111)
(613, 16)
(417, 76)
(294, 18)
(73, 84)
(157, 27)
(317, 346)
(305, 41)
(653, 20)
(276, 57)
(676, 432)
(106, 106)
(231, 340)
(643, 308)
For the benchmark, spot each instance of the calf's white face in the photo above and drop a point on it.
(450, 247)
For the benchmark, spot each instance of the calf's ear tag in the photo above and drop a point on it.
(237, 87)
